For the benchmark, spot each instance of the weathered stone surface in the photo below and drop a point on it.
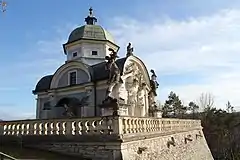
(113, 138)
(190, 145)
(157, 148)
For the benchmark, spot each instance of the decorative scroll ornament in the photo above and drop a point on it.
(3, 5)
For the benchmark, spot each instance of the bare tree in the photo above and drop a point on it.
(229, 107)
(205, 101)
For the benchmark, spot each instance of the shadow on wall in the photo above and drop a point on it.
(29, 153)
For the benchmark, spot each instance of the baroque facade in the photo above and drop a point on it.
(94, 81)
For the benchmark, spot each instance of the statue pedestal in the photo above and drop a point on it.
(157, 114)
(111, 107)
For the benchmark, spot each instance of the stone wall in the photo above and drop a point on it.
(161, 148)
(112, 138)
(93, 151)
(157, 147)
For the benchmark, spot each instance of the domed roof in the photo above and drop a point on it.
(90, 31)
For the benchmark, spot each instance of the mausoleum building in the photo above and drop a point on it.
(92, 73)
(100, 106)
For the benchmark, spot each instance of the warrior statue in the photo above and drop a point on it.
(152, 94)
(154, 83)
(129, 50)
(114, 75)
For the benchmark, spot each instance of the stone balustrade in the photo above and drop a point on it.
(140, 125)
(118, 125)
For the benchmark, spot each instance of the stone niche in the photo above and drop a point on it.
(136, 89)
(132, 93)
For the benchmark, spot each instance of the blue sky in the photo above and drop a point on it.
(32, 32)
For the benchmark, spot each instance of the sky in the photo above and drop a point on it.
(193, 45)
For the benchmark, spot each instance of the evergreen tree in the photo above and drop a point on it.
(173, 106)
(193, 107)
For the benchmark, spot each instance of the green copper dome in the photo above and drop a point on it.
(90, 31)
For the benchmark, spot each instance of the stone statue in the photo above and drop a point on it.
(114, 75)
(71, 105)
(133, 96)
(153, 82)
(68, 111)
(129, 50)
(152, 94)
(141, 100)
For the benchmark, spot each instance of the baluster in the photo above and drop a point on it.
(152, 125)
(131, 126)
(68, 127)
(101, 127)
(13, 129)
(124, 127)
(149, 125)
(95, 127)
(146, 125)
(155, 125)
(159, 125)
(85, 128)
(74, 127)
(4, 129)
(57, 128)
(52, 128)
(40, 129)
(62, 128)
(31, 128)
(9, 129)
(17, 129)
(80, 128)
(90, 127)
(142, 125)
(134, 125)
(22, 129)
(27, 125)
(47, 128)
(36, 128)
(139, 126)
(128, 126)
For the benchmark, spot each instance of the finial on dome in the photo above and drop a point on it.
(90, 11)
(90, 20)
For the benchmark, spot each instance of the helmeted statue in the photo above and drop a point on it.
(153, 82)
(153, 92)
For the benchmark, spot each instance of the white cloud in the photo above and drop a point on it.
(209, 46)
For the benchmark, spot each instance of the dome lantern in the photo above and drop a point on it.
(89, 43)
(90, 20)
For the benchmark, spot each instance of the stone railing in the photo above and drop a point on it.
(148, 125)
(117, 125)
